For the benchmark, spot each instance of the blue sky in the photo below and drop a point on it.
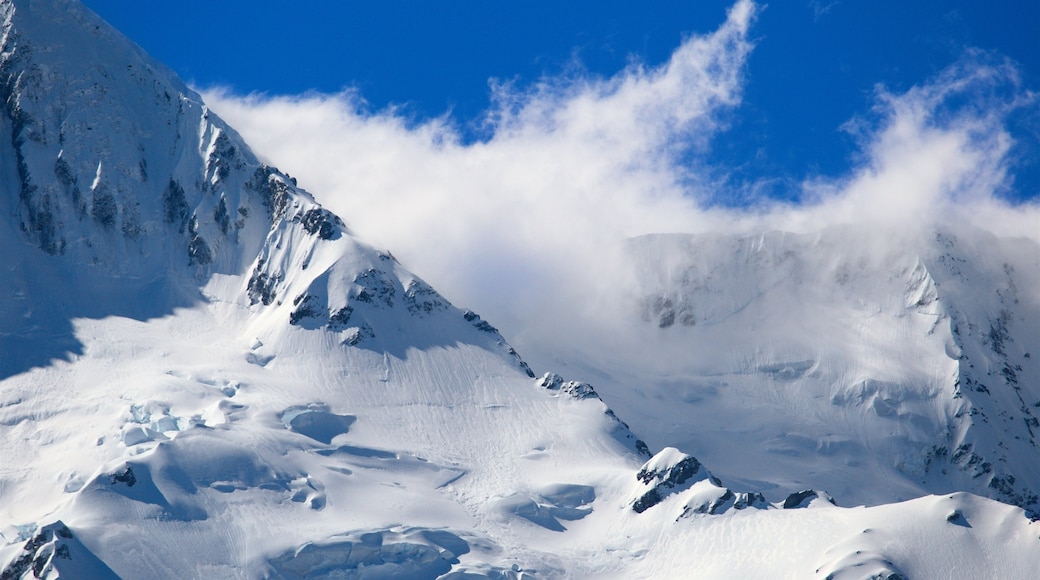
(814, 67)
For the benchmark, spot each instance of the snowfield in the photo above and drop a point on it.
(204, 374)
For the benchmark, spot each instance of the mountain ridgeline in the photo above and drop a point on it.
(203, 373)
(134, 195)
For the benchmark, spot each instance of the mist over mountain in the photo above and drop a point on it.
(205, 372)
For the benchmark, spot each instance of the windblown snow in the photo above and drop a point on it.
(203, 373)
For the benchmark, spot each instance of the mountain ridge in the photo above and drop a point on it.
(189, 389)
(886, 331)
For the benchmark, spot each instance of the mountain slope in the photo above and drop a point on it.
(877, 366)
(205, 375)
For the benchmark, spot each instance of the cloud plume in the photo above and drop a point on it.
(525, 225)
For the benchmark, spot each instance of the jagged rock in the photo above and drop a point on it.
(54, 552)
(805, 498)
(126, 477)
(261, 286)
(175, 206)
(322, 223)
(421, 299)
(220, 215)
(670, 471)
(750, 500)
(575, 389)
(479, 323)
(523, 365)
(374, 286)
(199, 253)
(340, 319)
(307, 307)
(359, 335)
(273, 190)
(39, 551)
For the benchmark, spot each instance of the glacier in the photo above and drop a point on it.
(203, 373)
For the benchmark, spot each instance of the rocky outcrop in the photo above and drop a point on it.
(582, 391)
(53, 552)
(667, 473)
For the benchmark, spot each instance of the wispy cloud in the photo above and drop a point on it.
(821, 8)
(936, 154)
(523, 225)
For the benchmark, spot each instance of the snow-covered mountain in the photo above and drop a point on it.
(877, 365)
(204, 374)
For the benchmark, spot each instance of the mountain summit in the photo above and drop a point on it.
(204, 374)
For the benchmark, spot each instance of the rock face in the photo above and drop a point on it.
(806, 498)
(54, 552)
(674, 473)
(206, 375)
(667, 473)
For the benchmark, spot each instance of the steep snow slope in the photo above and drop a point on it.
(875, 364)
(203, 374)
(113, 165)
(189, 339)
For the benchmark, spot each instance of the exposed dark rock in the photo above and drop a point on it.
(711, 506)
(801, 499)
(220, 215)
(421, 299)
(63, 171)
(520, 362)
(199, 253)
(322, 223)
(647, 501)
(261, 287)
(55, 552)
(664, 311)
(666, 473)
(126, 476)
(642, 448)
(750, 500)
(175, 206)
(307, 306)
(34, 557)
(373, 286)
(104, 208)
(274, 192)
(673, 475)
(41, 224)
(223, 156)
(340, 319)
(480, 324)
(361, 334)
(574, 389)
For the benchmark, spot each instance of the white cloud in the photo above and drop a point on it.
(523, 226)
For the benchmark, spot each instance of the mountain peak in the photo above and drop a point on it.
(136, 195)
(203, 373)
